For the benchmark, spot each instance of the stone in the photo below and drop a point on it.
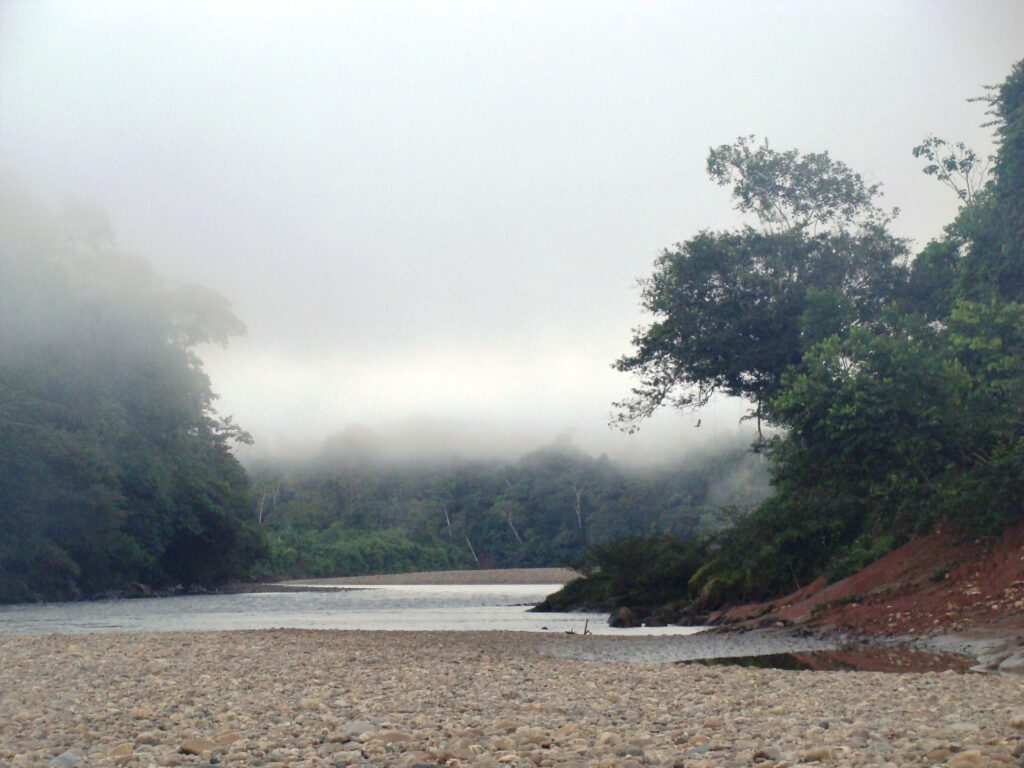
(1017, 721)
(457, 753)
(569, 729)
(502, 744)
(1013, 665)
(815, 755)
(963, 727)
(390, 737)
(122, 750)
(632, 750)
(972, 758)
(148, 737)
(65, 760)
(196, 746)
(356, 728)
(527, 735)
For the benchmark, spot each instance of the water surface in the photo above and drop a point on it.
(407, 607)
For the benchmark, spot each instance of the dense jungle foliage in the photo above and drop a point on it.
(895, 385)
(344, 516)
(115, 472)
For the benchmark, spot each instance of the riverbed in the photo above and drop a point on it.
(283, 698)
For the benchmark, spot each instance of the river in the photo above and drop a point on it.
(408, 607)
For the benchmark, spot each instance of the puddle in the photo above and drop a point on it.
(764, 649)
(849, 659)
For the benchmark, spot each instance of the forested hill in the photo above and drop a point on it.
(114, 469)
(350, 514)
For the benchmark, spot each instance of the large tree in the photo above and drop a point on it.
(734, 310)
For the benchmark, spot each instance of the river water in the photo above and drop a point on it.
(419, 607)
(460, 608)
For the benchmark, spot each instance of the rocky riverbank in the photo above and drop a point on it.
(305, 698)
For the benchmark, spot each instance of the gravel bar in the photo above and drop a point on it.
(282, 698)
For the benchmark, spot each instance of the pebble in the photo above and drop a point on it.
(320, 699)
(65, 760)
(122, 750)
(196, 746)
(357, 728)
(815, 755)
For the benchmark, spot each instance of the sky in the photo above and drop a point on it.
(432, 217)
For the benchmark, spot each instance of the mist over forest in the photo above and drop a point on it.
(119, 474)
(456, 292)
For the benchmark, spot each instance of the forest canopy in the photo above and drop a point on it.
(345, 514)
(115, 469)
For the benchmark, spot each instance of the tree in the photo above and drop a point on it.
(992, 230)
(734, 310)
(954, 164)
(905, 417)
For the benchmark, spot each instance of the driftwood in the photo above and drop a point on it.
(586, 630)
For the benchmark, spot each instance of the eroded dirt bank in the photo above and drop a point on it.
(965, 594)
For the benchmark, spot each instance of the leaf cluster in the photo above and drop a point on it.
(789, 190)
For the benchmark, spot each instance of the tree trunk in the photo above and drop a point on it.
(579, 505)
(471, 550)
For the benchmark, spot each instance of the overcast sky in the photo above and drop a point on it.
(438, 211)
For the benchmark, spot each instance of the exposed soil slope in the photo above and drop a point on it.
(932, 584)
